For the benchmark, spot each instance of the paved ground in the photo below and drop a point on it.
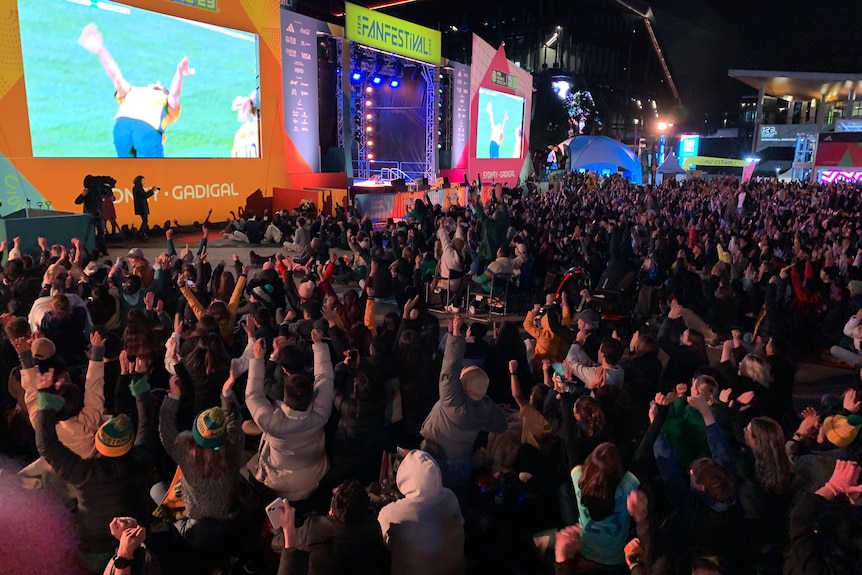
(813, 380)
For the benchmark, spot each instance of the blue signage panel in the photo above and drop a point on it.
(460, 113)
(299, 77)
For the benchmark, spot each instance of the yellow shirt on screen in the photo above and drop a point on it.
(245, 142)
(148, 104)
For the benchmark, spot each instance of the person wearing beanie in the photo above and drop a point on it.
(462, 411)
(841, 430)
(109, 484)
(209, 457)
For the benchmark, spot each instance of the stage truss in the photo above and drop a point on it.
(367, 60)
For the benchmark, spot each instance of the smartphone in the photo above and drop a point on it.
(353, 354)
(272, 511)
(190, 283)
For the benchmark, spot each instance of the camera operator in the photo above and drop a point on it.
(142, 208)
(96, 188)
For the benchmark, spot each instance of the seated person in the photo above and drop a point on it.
(500, 269)
(291, 459)
(424, 532)
(252, 231)
(347, 540)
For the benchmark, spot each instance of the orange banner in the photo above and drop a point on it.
(189, 187)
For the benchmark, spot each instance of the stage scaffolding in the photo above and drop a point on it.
(367, 61)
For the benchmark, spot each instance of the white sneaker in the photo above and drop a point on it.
(453, 309)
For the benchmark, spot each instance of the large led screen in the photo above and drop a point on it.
(109, 80)
(500, 125)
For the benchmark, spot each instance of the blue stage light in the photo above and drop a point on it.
(376, 80)
(394, 83)
(356, 76)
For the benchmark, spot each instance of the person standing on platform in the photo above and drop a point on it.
(140, 196)
(109, 213)
(95, 188)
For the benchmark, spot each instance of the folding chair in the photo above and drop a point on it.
(496, 297)
(448, 296)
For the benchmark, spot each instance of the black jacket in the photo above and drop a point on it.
(329, 547)
(140, 197)
(107, 487)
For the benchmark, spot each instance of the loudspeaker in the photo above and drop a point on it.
(422, 182)
(399, 183)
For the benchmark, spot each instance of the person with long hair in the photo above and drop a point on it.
(206, 368)
(142, 207)
(223, 310)
(582, 429)
(417, 381)
(358, 442)
(508, 345)
(765, 477)
(226, 285)
(209, 457)
(602, 487)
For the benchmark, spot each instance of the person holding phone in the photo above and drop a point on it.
(140, 195)
(348, 539)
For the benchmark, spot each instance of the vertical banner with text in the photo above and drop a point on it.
(460, 113)
(300, 81)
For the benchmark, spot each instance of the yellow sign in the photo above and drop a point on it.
(711, 161)
(391, 34)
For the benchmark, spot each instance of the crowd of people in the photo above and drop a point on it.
(337, 411)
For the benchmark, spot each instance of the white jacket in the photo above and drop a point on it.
(451, 260)
(292, 456)
(424, 532)
(850, 331)
(78, 433)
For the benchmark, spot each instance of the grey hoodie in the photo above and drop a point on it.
(424, 532)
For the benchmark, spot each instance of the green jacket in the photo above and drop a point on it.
(686, 432)
(493, 231)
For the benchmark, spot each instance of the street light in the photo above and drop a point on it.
(663, 126)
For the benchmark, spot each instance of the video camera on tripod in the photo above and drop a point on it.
(96, 189)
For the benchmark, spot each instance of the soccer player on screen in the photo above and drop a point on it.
(246, 140)
(145, 111)
(496, 132)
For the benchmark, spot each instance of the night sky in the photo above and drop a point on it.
(702, 39)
